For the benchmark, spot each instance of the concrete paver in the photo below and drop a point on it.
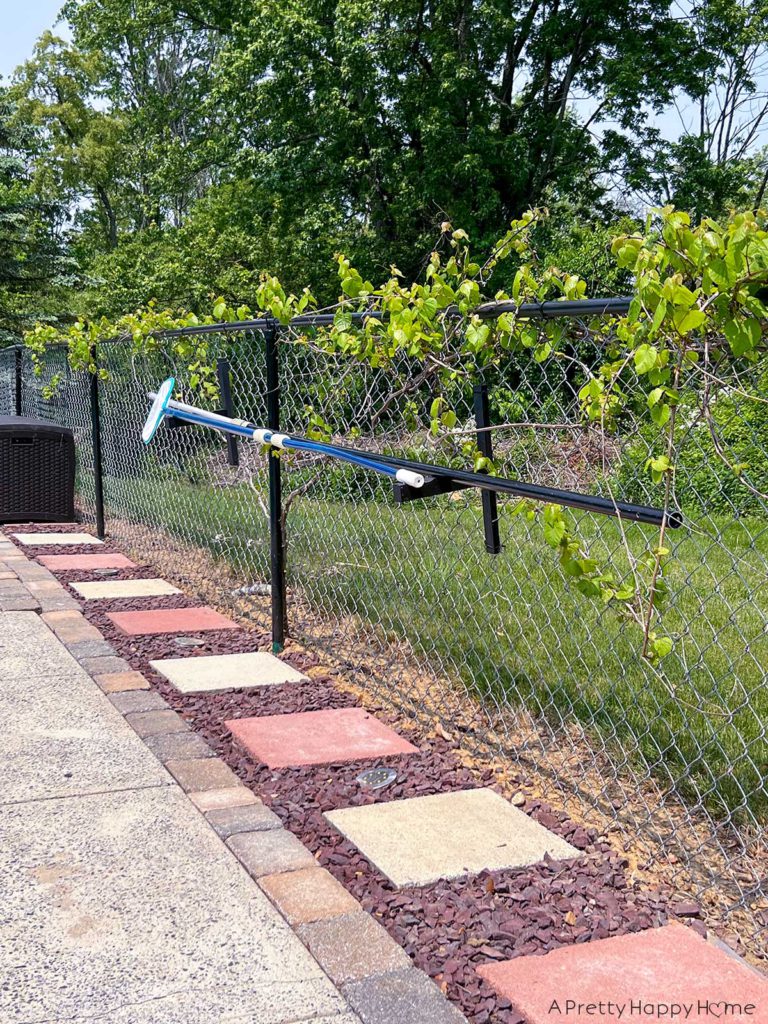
(119, 682)
(101, 665)
(231, 821)
(269, 853)
(64, 563)
(14, 597)
(72, 627)
(211, 674)
(422, 839)
(156, 723)
(317, 737)
(402, 997)
(51, 596)
(662, 966)
(55, 539)
(201, 774)
(170, 620)
(217, 799)
(353, 946)
(178, 746)
(130, 702)
(101, 590)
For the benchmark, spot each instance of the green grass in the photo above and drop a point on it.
(508, 627)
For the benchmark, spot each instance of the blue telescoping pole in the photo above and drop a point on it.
(406, 471)
(241, 428)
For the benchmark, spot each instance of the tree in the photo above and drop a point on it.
(717, 163)
(398, 116)
(57, 90)
(122, 111)
(33, 265)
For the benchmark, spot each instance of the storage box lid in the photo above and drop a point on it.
(26, 426)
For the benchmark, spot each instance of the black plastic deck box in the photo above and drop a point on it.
(37, 471)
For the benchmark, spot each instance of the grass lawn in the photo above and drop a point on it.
(509, 628)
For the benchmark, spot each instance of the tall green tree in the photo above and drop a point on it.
(33, 266)
(198, 142)
(720, 160)
(395, 116)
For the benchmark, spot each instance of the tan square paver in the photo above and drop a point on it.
(417, 841)
(210, 674)
(101, 590)
(39, 539)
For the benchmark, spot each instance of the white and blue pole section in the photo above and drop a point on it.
(164, 406)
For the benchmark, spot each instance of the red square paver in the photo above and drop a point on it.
(170, 620)
(672, 966)
(317, 737)
(60, 563)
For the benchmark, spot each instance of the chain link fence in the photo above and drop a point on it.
(670, 761)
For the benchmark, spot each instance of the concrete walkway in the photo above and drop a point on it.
(119, 901)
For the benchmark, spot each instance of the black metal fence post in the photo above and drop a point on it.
(485, 445)
(227, 407)
(276, 538)
(19, 365)
(98, 475)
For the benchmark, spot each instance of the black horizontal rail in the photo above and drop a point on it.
(559, 307)
(535, 492)
(487, 311)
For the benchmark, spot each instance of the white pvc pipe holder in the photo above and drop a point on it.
(278, 440)
(407, 476)
(262, 436)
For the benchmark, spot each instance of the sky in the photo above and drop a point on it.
(22, 24)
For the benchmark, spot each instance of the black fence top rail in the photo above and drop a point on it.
(574, 309)
(487, 311)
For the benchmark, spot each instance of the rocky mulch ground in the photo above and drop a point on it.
(449, 928)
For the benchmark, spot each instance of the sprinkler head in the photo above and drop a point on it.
(188, 641)
(377, 778)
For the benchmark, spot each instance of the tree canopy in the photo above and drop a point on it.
(199, 142)
(33, 267)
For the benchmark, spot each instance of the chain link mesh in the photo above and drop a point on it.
(669, 761)
(7, 381)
